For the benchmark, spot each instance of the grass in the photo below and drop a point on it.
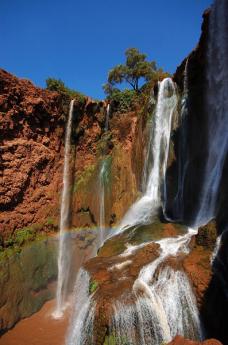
(93, 286)
(84, 177)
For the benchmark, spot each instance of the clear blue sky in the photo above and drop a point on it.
(80, 40)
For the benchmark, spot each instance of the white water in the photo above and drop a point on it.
(107, 117)
(165, 305)
(143, 210)
(64, 253)
(102, 202)
(216, 248)
(81, 330)
(164, 301)
(217, 110)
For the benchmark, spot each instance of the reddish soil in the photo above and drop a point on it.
(39, 329)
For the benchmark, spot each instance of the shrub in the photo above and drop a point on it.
(123, 101)
(93, 286)
(58, 85)
(24, 235)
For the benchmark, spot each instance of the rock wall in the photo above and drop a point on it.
(190, 146)
(32, 126)
(26, 281)
(190, 139)
(31, 152)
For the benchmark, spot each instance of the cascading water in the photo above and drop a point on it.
(81, 330)
(143, 210)
(64, 250)
(107, 117)
(165, 306)
(217, 110)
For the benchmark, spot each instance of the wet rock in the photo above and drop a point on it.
(178, 340)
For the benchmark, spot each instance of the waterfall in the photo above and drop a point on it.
(164, 305)
(64, 252)
(216, 248)
(102, 177)
(217, 110)
(81, 330)
(142, 211)
(102, 183)
(163, 302)
(107, 117)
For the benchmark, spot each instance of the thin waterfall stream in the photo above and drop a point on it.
(64, 253)
(102, 184)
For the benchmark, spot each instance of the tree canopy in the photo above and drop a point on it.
(135, 68)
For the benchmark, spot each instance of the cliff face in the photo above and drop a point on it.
(32, 128)
(121, 150)
(191, 151)
(32, 125)
(190, 139)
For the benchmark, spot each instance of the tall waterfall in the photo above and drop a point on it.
(217, 110)
(142, 211)
(102, 184)
(64, 253)
(164, 304)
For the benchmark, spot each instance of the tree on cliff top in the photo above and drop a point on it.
(135, 68)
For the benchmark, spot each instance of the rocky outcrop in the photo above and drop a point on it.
(178, 340)
(197, 264)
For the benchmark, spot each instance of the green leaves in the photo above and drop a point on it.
(58, 85)
(135, 67)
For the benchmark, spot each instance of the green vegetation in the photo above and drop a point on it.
(58, 85)
(84, 177)
(114, 340)
(125, 100)
(135, 68)
(93, 286)
(20, 238)
(24, 235)
(134, 72)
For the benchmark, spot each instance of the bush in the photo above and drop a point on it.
(123, 101)
(58, 85)
(93, 286)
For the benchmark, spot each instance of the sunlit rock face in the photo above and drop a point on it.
(32, 128)
(32, 125)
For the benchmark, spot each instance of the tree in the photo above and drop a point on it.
(135, 68)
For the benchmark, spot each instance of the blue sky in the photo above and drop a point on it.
(80, 40)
